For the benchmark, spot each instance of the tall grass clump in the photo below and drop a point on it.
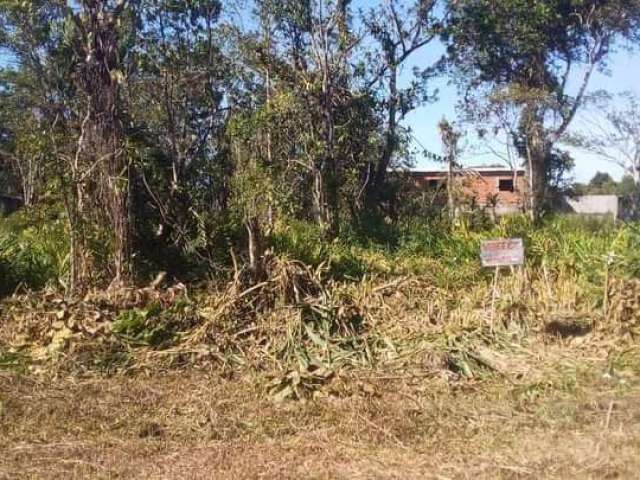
(583, 248)
(305, 242)
(587, 248)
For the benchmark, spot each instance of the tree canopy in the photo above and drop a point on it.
(527, 54)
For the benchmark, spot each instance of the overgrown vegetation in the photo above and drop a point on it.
(320, 306)
(408, 354)
(172, 134)
(33, 250)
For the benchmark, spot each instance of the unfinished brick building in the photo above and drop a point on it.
(501, 189)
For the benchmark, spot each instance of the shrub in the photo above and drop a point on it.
(305, 242)
(33, 249)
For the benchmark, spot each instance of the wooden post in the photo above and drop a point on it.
(494, 294)
(605, 299)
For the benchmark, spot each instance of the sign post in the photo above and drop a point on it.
(500, 253)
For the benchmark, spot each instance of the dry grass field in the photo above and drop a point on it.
(554, 409)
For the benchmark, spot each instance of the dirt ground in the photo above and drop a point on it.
(556, 411)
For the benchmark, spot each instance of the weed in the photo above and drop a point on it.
(152, 326)
(13, 359)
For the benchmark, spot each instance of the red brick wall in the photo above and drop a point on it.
(481, 186)
(484, 186)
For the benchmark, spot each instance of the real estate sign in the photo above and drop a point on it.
(501, 253)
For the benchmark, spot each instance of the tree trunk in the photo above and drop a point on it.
(74, 199)
(537, 155)
(76, 260)
(79, 256)
(538, 171)
(451, 202)
(634, 212)
(329, 170)
(378, 184)
(322, 211)
(450, 139)
(100, 75)
(121, 223)
(254, 232)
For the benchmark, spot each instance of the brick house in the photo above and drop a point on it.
(501, 189)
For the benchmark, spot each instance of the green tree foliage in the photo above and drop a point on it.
(176, 96)
(306, 54)
(157, 120)
(601, 180)
(400, 29)
(523, 53)
(603, 183)
(33, 97)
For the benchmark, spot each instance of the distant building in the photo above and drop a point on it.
(501, 189)
(598, 205)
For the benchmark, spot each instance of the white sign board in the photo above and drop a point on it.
(500, 253)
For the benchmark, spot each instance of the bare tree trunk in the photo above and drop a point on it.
(79, 255)
(532, 130)
(319, 203)
(635, 197)
(270, 200)
(378, 183)
(254, 231)
(538, 170)
(450, 138)
(30, 179)
(75, 200)
(329, 168)
(119, 199)
(79, 258)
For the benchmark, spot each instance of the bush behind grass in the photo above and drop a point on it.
(34, 248)
(449, 253)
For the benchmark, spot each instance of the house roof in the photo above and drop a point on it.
(491, 170)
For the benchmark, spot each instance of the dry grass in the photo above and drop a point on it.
(385, 378)
(550, 413)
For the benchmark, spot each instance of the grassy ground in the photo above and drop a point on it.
(552, 409)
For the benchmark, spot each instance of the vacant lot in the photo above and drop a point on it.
(553, 409)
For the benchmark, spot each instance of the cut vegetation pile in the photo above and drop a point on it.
(302, 325)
